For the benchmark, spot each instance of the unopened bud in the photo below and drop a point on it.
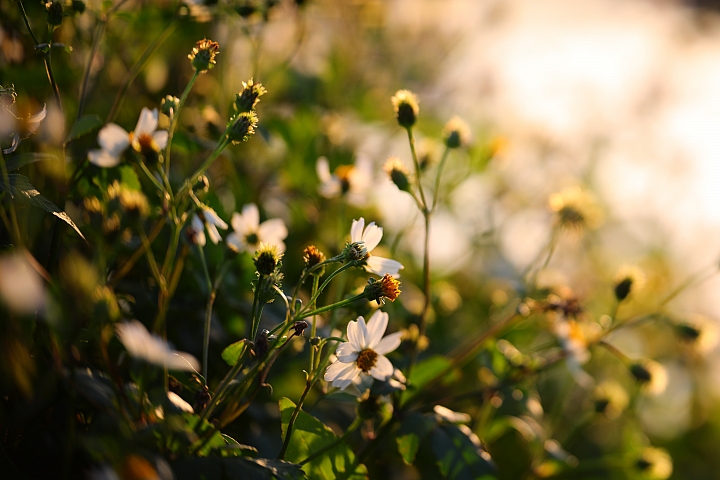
(242, 126)
(406, 108)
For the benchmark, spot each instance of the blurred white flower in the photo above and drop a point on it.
(364, 352)
(351, 181)
(181, 404)
(207, 218)
(447, 415)
(22, 128)
(142, 344)
(114, 140)
(249, 233)
(21, 287)
(371, 236)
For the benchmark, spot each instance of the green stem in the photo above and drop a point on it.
(174, 120)
(436, 193)
(88, 66)
(418, 172)
(293, 418)
(221, 145)
(332, 306)
(135, 70)
(13, 213)
(322, 287)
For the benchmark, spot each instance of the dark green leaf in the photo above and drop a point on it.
(225, 468)
(95, 388)
(84, 125)
(22, 159)
(232, 352)
(458, 457)
(310, 435)
(414, 428)
(24, 193)
(215, 440)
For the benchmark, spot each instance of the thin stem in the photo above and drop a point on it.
(206, 333)
(174, 120)
(27, 22)
(313, 328)
(127, 266)
(322, 287)
(88, 66)
(135, 70)
(13, 213)
(47, 58)
(418, 172)
(151, 261)
(150, 176)
(293, 418)
(436, 193)
(332, 306)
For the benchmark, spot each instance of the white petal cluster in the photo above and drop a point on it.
(209, 219)
(114, 140)
(361, 339)
(23, 128)
(249, 233)
(352, 180)
(371, 236)
(143, 345)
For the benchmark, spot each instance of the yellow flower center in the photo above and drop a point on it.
(366, 360)
(145, 144)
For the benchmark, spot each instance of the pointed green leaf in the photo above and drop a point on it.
(310, 435)
(232, 352)
(22, 192)
(129, 177)
(22, 159)
(84, 125)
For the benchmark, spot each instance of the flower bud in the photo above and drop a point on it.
(267, 259)
(627, 280)
(248, 98)
(355, 252)
(456, 133)
(169, 105)
(54, 13)
(242, 126)
(398, 173)
(406, 108)
(312, 257)
(203, 55)
(78, 6)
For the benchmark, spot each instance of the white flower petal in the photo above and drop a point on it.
(322, 168)
(376, 328)
(114, 139)
(34, 122)
(213, 233)
(213, 218)
(346, 353)
(147, 122)
(389, 343)
(383, 368)
(181, 404)
(236, 242)
(341, 371)
(161, 138)
(372, 236)
(362, 333)
(15, 143)
(103, 158)
(142, 344)
(380, 266)
(251, 216)
(272, 231)
(239, 225)
(356, 230)
(353, 334)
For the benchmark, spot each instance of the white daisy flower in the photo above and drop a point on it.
(249, 233)
(114, 140)
(142, 344)
(352, 181)
(364, 352)
(371, 236)
(23, 128)
(207, 218)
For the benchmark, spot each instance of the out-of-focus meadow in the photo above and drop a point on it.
(559, 321)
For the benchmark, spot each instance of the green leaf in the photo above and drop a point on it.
(95, 387)
(84, 125)
(413, 429)
(232, 353)
(424, 371)
(129, 178)
(216, 438)
(22, 159)
(226, 468)
(458, 457)
(310, 435)
(22, 192)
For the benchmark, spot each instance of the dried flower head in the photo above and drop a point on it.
(267, 259)
(628, 279)
(655, 463)
(7, 95)
(651, 376)
(576, 209)
(54, 10)
(385, 288)
(241, 127)
(203, 55)
(248, 98)
(456, 133)
(397, 172)
(405, 104)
